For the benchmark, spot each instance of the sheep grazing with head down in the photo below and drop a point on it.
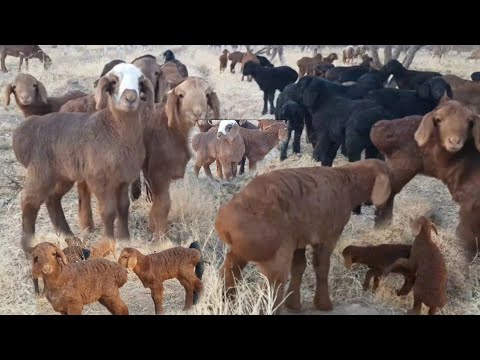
(104, 150)
(24, 52)
(427, 264)
(293, 208)
(31, 96)
(235, 58)
(224, 144)
(70, 286)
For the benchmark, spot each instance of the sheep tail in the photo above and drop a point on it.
(199, 268)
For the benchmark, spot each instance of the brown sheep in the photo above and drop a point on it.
(306, 65)
(104, 150)
(223, 60)
(75, 250)
(475, 55)
(149, 67)
(348, 54)
(235, 58)
(31, 96)
(223, 143)
(170, 77)
(23, 52)
(264, 124)
(427, 264)
(455, 81)
(85, 104)
(102, 248)
(443, 144)
(330, 58)
(249, 56)
(70, 286)
(290, 209)
(166, 137)
(469, 95)
(179, 263)
(378, 258)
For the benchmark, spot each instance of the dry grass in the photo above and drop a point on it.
(195, 202)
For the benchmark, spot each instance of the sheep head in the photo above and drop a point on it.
(452, 123)
(47, 258)
(249, 68)
(128, 258)
(394, 67)
(27, 91)
(125, 84)
(228, 129)
(188, 102)
(423, 222)
(348, 257)
(149, 67)
(434, 89)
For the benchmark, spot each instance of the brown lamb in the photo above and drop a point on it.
(443, 144)
(427, 264)
(75, 250)
(31, 96)
(235, 58)
(179, 263)
(224, 144)
(378, 258)
(23, 52)
(70, 286)
(293, 208)
(223, 60)
(102, 248)
(103, 150)
(306, 65)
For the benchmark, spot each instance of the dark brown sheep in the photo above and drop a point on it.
(70, 286)
(427, 264)
(179, 263)
(31, 96)
(235, 58)
(378, 258)
(103, 150)
(223, 60)
(290, 209)
(24, 52)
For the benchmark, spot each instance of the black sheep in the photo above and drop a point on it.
(269, 80)
(407, 79)
(169, 57)
(264, 61)
(343, 74)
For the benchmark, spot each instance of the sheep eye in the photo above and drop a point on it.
(35, 85)
(436, 121)
(113, 82)
(156, 73)
(35, 259)
(180, 96)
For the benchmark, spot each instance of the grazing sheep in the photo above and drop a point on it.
(348, 54)
(248, 57)
(427, 264)
(294, 115)
(407, 79)
(103, 150)
(475, 76)
(179, 263)
(24, 52)
(169, 57)
(223, 60)
(224, 144)
(235, 58)
(306, 65)
(31, 96)
(443, 144)
(70, 286)
(102, 248)
(107, 68)
(293, 208)
(378, 258)
(269, 80)
(166, 137)
(343, 74)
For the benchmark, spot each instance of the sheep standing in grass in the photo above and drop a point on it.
(105, 150)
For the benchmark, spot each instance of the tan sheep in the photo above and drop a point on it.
(70, 286)
(306, 65)
(290, 209)
(224, 144)
(179, 263)
(31, 96)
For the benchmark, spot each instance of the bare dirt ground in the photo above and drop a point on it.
(195, 202)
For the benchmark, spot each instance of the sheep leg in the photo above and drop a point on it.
(187, 285)
(308, 127)
(376, 280)
(231, 270)
(160, 207)
(368, 278)
(265, 99)
(75, 309)
(234, 169)
(321, 264)
(433, 310)
(20, 62)
(417, 306)
(407, 285)
(296, 140)
(107, 203)
(384, 215)
(299, 264)
(400, 264)
(157, 297)
(54, 208)
(219, 169)
(114, 305)
(242, 165)
(26, 63)
(85, 217)
(284, 146)
(227, 169)
(123, 206)
(3, 56)
(271, 97)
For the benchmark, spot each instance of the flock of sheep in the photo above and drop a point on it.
(139, 120)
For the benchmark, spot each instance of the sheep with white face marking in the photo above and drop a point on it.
(224, 144)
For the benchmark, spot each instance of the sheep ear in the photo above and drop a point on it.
(42, 92)
(171, 108)
(476, 131)
(416, 227)
(61, 256)
(147, 89)
(131, 262)
(101, 90)
(381, 189)
(214, 104)
(434, 228)
(8, 92)
(425, 130)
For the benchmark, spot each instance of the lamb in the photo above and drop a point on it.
(294, 115)
(427, 264)
(104, 151)
(70, 286)
(225, 145)
(169, 57)
(24, 52)
(475, 76)
(378, 258)
(75, 250)
(407, 79)
(31, 96)
(166, 137)
(179, 263)
(235, 58)
(248, 57)
(103, 248)
(343, 74)
(293, 208)
(306, 65)
(269, 80)
(107, 68)
(223, 60)
(348, 54)
(443, 144)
